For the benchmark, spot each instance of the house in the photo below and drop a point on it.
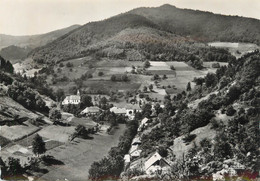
(133, 148)
(156, 163)
(135, 154)
(136, 141)
(143, 124)
(134, 151)
(161, 106)
(72, 99)
(120, 111)
(127, 158)
(144, 121)
(93, 110)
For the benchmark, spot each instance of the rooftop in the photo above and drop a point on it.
(118, 110)
(92, 109)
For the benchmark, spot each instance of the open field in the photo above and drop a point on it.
(235, 48)
(118, 63)
(79, 154)
(111, 86)
(209, 64)
(8, 105)
(180, 148)
(18, 131)
(87, 122)
(156, 65)
(4, 141)
(177, 78)
(49, 144)
(58, 133)
(16, 151)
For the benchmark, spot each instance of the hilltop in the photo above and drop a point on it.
(14, 53)
(33, 41)
(205, 26)
(193, 26)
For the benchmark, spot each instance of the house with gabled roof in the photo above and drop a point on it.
(143, 124)
(93, 110)
(136, 153)
(72, 99)
(155, 163)
(136, 141)
(120, 111)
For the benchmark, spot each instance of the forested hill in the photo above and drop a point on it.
(203, 25)
(78, 42)
(191, 25)
(218, 134)
(33, 41)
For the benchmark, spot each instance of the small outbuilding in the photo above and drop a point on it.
(93, 110)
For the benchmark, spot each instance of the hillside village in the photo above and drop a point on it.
(135, 102)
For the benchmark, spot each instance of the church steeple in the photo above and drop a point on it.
(78, 93)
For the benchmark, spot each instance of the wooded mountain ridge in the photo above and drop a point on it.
(33, 41)
(193, 26)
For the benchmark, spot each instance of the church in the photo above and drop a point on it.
(72, 99)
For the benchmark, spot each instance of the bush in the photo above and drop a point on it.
(230, 111)
(147, 64)
(100, 74)
(172, 67)
(163, 151)
(215, 65)
(189, 137)
(69, 65)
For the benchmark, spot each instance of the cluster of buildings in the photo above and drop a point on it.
(154, 163)
(128, 110)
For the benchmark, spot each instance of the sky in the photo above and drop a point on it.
(27, 17)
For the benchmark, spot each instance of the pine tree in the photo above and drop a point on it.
(38, 145)
(188, 87)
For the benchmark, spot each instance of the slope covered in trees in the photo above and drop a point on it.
(75, 44)
(14, 53)
(167, 27)
(220, 134)
(33, 41)
(201, 25)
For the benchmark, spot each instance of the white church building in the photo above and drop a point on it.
(72, 99)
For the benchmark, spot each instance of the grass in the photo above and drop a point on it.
(79, 154)
(161, 72)
(49, 144)
(87, 122)
(108, 86)
(118, 63)
(17, 131)
(4, 141)
(57, 133)
(234, 47)
(209, 64)
(102, 84)
(181, 148)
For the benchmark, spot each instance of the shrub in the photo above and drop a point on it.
(189, 137)
(215, 65)
(230, 111)
(163, 151)
(69, 65)
(147, 64)
(172, 67)
(100, 74)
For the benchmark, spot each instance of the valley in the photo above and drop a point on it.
(149, 94)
